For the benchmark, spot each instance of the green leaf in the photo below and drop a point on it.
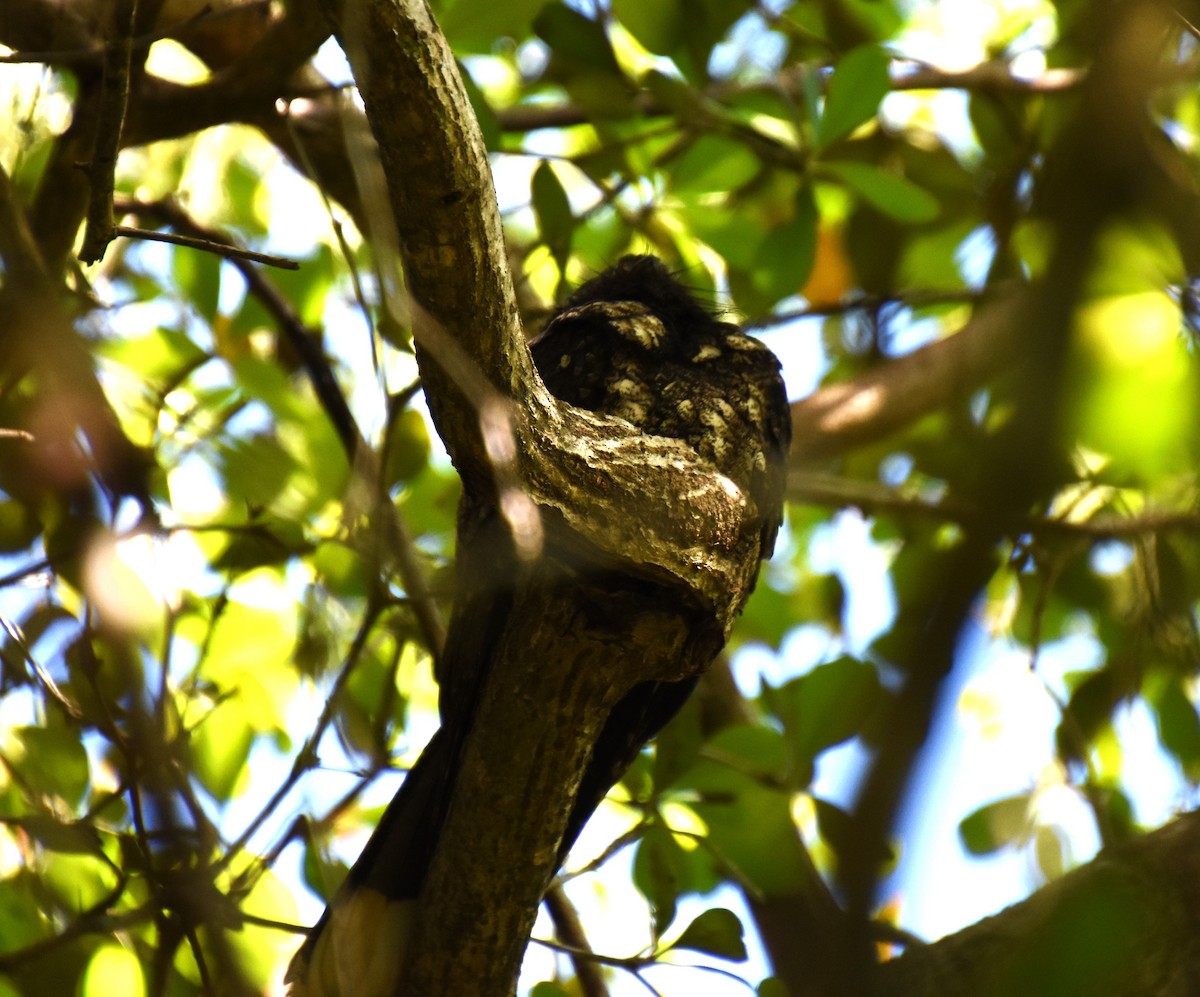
(714, 164)
(1178, 725)
(242, 186)
(112, 969)
(893, 195)
(22, 915)
(76, 838)
(1051, 853)
(408, 446)
(52, 761)
(78, 881)
(264, 543)
(474, 26)
(995, 123)
(747, 810)
(674, 94)
(158, 357)
(677, 747)
(656, 25)
(198, 275)
(322, 875)
(18, 527)
(658, 869)
(248, 658)
(785, 257)
(856, 88)
(996, 825)
(718, 932)
(257, 471)
(828, 705)
(733, 234)
(579, 40)
(219, 749)
(340, 569)
(552, 208)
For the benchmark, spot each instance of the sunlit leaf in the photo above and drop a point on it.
(1050, 848)
(220, 747)
(158, 357)
(575, 38)
(711, 164)
(52, 760)
(113, 969)
(894, 195)
(553, 211)
(995, 825)
(858, 85)
(656, 25)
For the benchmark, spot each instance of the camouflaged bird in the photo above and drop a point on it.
(634, 344)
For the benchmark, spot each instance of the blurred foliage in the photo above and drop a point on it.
(186, 672)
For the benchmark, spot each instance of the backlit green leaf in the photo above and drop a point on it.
(718, 932)
(856, 88)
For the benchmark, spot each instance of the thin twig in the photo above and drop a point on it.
(819, 489)
(43, 676)
(307, 756)
(570, 932)
(223, 249)
(399, 539)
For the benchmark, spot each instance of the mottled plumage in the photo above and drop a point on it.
(634, 343)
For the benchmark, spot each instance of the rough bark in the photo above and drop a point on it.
(636, 586)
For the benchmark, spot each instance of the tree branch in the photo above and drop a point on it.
(875, 404)
(114, 97)
(1124, 925)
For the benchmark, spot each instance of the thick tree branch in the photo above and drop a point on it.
(632, 585)
(1124, 925)
(872, 406)
(446, 215)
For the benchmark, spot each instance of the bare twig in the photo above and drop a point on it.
(43, 676)
(399, 539)
(223, 249)
(307, 756)
(570, 933)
